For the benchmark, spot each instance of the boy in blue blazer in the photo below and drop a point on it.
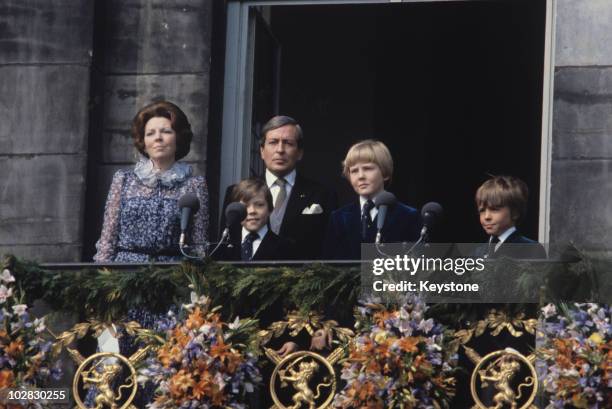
(368, 166)
(502, 203)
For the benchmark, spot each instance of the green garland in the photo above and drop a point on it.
(107, 295)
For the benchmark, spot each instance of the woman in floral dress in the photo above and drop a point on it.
(142, 219)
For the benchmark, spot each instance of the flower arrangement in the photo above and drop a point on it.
(396, 360)
(25, 354)
(202, 362)
(575, 351)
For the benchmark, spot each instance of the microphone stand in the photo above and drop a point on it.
(377, 244)
(224, 238)
(182, 247)
(184, 253)
(422, 239)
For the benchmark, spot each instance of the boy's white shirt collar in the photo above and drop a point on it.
(373, 211)
(261, 232)
(502, 237)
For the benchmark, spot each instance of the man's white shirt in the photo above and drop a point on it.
(274, 188)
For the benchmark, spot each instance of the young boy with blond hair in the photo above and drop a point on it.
(368, 166)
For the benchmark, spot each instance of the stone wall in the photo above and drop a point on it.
(581, 196)
(45, 61)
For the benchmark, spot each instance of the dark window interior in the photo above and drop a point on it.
(453, 88)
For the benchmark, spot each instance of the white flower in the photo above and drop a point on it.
(39, 325)
(6, 276)
(142, 379)
(20, 309)
(426, 325)
(219, 380)
(5, 293)
(203, 300)
(549, 310)
(404, 322)
(235, 324)
(207, 330)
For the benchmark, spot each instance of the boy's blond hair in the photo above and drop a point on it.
(369, 150)
(500, 191)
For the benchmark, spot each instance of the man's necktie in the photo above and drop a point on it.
(366, 220)
(247, 246)
(492, 244)
(282, 193)
(276, 218)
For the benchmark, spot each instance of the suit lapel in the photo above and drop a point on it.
(265, 247)
(353, 220)
(512, 238)
(297, 202)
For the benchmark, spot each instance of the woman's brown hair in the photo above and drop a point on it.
(178, 121)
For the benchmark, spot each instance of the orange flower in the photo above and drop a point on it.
(367, 391)
(409, 344)
(6, 378)
(220, 350)
(233, 362)
(195, 319)
(204, 385)
(382, 316)
(168, 354)
(180, 383)
(180, 336)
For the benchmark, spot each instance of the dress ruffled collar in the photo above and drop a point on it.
(150, 176)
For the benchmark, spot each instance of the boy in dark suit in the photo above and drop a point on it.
(502, 203)
(254, 240)
(368, 166)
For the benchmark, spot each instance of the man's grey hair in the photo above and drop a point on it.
(278, 122)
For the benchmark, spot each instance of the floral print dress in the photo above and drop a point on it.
(142, 218)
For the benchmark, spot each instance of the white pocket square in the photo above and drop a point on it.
(314, 208)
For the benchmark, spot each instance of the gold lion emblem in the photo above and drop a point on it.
(311, 377)
(501, 378)
(111, 374)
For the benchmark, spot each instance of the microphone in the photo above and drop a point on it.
(382, 201)
(235, 213)
(188, 205)
(431, 213)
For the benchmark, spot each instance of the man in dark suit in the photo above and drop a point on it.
(301, 206)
